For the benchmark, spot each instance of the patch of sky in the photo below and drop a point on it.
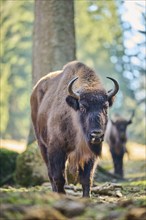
(140, 95)
(114, 59)
(134, 84)
(135, 61)
(133, 13)
(128, 43)
(136, 73)
(93, 8)
(125, 59)
(132, 52)
(118, 67)
(128, 75)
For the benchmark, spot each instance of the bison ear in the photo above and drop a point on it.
(111, 100)
(72, 102)
(129, 122)
(131, 118)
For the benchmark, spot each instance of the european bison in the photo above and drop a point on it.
(116, 138)
(69, 114)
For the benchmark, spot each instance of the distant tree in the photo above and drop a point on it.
(15, 42)
(53, 39)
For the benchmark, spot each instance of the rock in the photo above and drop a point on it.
(43, 213)
(30, 167)
(70, 208)
(118, 193)
(136, 214)
(113, 215)
(125, 203)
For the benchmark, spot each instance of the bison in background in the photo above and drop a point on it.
(69, 115)
(116, 138)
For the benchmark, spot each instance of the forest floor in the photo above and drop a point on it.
(111, 199)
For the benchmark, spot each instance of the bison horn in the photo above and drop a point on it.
(70, 91)
(114, 91)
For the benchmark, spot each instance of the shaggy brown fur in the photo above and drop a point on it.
(49, 110)
(57, 126)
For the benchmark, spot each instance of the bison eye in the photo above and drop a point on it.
(82, 109)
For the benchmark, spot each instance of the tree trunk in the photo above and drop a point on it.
(53, 39)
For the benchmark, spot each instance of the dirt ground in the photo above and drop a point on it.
(110, 200)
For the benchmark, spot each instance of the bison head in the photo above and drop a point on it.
(121, 125)
(92, 107)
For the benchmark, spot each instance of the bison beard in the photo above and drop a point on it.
(69, 115)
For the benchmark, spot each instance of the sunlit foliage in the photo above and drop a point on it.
(16, 43)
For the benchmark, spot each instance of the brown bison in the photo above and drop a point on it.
(69, 114)
(116, 138)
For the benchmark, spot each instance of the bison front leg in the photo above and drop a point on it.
(86, 176)
(118, 162)
(118, 166)
(56, 168)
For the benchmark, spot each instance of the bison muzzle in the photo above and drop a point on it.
(69, 115)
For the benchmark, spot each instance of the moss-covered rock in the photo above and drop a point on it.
(7, 166)
(30, 167)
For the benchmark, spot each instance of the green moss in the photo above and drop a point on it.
(20, 202)
(7, 166)
(141, 201)
(30, 168)
(138, 183)
(27, 196)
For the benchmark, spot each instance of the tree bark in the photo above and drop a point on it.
(53, 39)
(54, 36)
